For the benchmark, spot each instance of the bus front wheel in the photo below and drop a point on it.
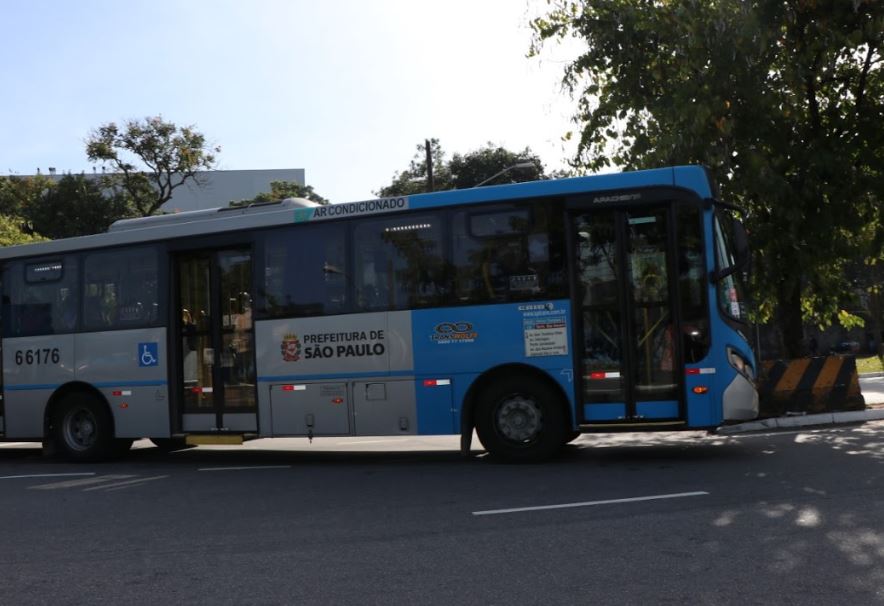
(83, 428)
(521, 420)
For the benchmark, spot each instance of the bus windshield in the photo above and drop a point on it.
(731, 259)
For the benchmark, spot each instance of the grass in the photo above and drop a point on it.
(869, 364)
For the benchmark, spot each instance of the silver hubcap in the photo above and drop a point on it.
(79, 429)
(519, 418)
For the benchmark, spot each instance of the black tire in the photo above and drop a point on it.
(521, 420)
(83, 429)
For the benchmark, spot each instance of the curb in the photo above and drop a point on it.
(871, 375)
(828, 418)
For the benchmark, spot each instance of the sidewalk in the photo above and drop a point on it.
(872, 388)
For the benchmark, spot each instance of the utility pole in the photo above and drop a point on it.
(430, 184)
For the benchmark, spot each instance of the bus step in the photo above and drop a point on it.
(206, 439)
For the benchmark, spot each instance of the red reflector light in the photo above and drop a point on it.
(700, 389)
(429, 382)
(196, 389)
(596, 375)
(288, 388)
(117, 393)
(337, 400)
(692, 371)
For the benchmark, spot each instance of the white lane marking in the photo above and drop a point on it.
(76, 483)
(122, 485)
(245, 467)
(32, 444)
(47, 475)
(677, 495)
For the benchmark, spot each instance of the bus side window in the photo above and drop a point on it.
(400, 263)
(38, 296)
(120, 289)
(306, 271)
(505, 253)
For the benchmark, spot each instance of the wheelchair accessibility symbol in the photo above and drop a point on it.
(148, 354)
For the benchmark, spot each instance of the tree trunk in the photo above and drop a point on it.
(789, 315)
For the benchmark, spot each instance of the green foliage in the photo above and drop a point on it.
(280, 190)
(19, 193)
(463, 171)
(783, 100)
(12, 232)
(167, 156)
(869, 364)
(76, 206)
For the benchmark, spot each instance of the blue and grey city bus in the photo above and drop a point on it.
(529, 313)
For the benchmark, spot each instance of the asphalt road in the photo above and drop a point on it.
(676, 518)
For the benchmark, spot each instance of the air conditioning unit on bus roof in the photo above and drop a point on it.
(210, 214)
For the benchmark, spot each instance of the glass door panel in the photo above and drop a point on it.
(598, 281)
(654, 373)
(237, 358)
(197, 350)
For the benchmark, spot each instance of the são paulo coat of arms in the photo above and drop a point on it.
(290, 348)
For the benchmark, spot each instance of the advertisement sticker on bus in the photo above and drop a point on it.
(545, 330)
(445, 333)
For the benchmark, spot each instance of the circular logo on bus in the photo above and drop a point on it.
(290, 348)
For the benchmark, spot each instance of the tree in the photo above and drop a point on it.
(280, 190)
(76, 206)
(413, 180)
(12, 233)
(171, 154)
(18, 193)
(463, 171)
(783, 100)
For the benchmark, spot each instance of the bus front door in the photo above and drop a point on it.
(629, 361)
(217, 360)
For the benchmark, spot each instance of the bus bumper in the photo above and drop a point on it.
(740, 400)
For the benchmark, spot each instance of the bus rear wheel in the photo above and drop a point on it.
(83, 428)
(521, 420)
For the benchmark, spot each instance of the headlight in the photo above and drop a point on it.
(740, 364)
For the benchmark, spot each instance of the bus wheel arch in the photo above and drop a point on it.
(519, 412)
(79, 424)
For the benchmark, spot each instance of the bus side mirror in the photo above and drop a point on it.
(741, 244)
(742, 257)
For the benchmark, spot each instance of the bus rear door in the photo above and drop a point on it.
(216, 364)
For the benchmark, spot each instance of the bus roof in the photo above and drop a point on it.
(297, 210)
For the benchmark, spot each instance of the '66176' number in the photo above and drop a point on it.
(46, 355)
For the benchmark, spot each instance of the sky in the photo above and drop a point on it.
(345, 89)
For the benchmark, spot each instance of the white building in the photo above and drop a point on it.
(220, 187)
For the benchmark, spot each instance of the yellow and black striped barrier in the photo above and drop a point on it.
(809, 385)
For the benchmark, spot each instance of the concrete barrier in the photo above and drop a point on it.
(809, 385)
